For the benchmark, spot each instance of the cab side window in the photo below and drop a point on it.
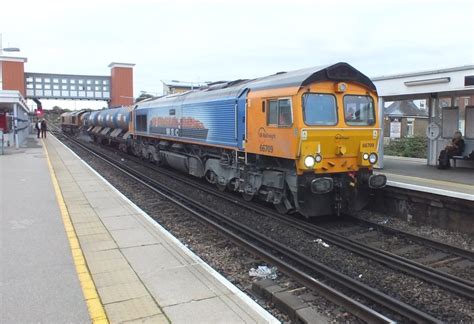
(279, 113)
(272, 116)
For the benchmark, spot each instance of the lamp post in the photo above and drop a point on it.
(7, 49)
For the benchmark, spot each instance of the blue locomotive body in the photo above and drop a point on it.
(212, 118)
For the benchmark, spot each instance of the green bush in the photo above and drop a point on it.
(416, 147)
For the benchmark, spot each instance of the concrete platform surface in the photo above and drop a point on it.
(141, 272)
(415, 174)
(38, 279)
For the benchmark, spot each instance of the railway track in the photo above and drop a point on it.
(286, 259)
(461, 286)
(448, 260)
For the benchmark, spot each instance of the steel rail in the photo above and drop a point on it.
(433, 243)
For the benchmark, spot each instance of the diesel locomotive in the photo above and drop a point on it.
(305, 141)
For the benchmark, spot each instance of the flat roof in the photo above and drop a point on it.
(118, 64)
(13, 59)
(10, 97)
(426, 72)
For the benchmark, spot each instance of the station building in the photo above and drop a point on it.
(409, 119)
(17, 86)
(174, 86)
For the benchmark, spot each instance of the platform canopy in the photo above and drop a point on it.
(419, 85)
(14, 119)
(450, 96)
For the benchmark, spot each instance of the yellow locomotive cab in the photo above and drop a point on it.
(329, 127)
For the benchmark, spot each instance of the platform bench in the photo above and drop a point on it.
(460, 157)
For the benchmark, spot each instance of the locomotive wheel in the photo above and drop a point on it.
(247, 197)
(211, 177)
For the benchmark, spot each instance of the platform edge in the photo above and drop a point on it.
(89, 290)
(245, 298)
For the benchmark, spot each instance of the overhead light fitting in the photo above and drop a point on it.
(427, 81)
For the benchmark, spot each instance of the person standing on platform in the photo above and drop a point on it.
(44, 128)
(38, 128)
(456, 147)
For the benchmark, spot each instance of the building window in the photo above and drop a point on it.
(38, 79)
(47, 80)
(55, 80)
(469, 80)
(64, 87)
(450, 121)
(469, 125)
(64, 80)
(410, 127)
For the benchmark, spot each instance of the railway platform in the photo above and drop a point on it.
(74, 249)
(419, 193)
(415, 174)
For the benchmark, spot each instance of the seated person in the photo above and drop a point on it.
(456, 147)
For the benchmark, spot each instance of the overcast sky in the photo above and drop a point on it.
(223, 40)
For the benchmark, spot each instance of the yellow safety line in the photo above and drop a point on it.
(94, 305)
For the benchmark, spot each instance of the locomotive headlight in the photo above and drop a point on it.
(309, 161)
(318, 158)
(341, 87)
(365, 156)
(373, 158)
